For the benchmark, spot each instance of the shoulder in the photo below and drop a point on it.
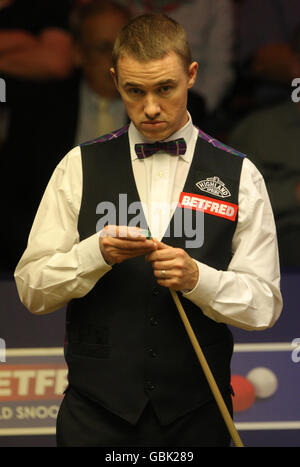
(71, 159)
(251, 175)
(218, 144)
(115, 135)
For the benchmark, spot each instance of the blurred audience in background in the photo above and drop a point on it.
(54, 99)
(271, 139)
(36, 63)
(97, 106)
(264, 61)
(35, 51)
(55, 57)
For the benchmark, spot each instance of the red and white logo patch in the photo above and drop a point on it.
(211, 206)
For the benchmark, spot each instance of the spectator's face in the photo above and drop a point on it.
(94, 53)
(155, 93)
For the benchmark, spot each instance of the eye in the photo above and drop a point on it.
(135, 92)
(165, 89)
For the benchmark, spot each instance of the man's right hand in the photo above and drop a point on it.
(118, 243)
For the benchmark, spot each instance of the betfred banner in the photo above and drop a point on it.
(32, 382)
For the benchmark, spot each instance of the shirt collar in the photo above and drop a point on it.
(185, 132)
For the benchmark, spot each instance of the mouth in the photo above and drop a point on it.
(150, 124)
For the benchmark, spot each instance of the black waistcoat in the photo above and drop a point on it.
(126, 343)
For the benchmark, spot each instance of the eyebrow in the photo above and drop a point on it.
(160, 83)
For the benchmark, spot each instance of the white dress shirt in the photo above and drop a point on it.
(57, 266)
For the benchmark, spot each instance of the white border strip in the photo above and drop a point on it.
(242, 426)
(36, 352)
(264, 347)
(27, 431)
(268, 426)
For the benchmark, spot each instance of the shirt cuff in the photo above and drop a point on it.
(206, 288)
(90, 256)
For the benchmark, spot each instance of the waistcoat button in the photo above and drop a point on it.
(153, 321)
(152, 353)
(150, 385)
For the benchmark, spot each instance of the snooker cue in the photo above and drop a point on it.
(209, 376)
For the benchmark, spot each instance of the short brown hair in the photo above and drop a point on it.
(151, 37)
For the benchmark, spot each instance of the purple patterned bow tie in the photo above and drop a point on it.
(175, 148)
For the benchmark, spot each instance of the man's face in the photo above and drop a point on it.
(93, 53)
(155, 93)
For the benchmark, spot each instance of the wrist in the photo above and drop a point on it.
(193, 278)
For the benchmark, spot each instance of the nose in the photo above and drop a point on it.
(151, 107)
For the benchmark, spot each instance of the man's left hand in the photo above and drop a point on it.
(173, 267)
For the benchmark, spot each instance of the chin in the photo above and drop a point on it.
(154, 136)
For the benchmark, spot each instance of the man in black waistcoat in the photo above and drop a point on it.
(134, 379)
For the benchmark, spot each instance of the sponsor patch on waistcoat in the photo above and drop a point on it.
(208, 205)
(215, 186)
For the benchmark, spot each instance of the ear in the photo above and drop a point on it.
(114, 77)
(193, 69)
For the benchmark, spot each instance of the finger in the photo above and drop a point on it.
(163, 283)
(167, 265)
(124, 232)
(129, 244)
(134, 232)
(166, 254)
(161, 274)
(169, 279)
(127, 254)
(163, 246)
(165, 274)
(117, 255)
(168, 283)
